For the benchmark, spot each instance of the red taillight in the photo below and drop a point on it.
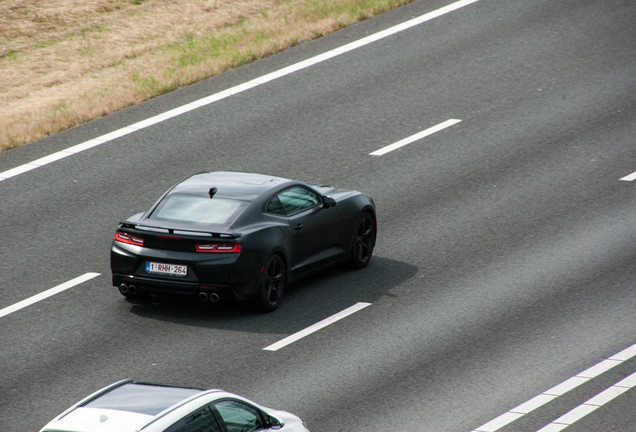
(130, 239)
(219, 248)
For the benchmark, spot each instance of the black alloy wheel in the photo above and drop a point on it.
(363, 241)
(272, 284)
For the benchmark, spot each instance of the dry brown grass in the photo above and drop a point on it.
(65, 62)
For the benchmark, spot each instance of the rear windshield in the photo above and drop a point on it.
(142, 398)
(198, 209)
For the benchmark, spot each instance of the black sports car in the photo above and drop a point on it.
(241, 235)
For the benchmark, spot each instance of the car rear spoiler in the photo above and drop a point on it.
(178, 231)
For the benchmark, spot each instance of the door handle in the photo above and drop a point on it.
(298, 227)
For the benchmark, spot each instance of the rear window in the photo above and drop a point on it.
(198, 209)
(142, 398)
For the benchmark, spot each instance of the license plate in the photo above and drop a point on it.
(167, 269)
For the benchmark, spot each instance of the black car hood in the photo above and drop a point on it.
(326, 189)
(335, 193)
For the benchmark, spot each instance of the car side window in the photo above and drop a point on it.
(274, 206)
(239, 417)
(296, 199)
(200, 421)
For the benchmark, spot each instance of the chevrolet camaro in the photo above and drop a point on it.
(240, 235)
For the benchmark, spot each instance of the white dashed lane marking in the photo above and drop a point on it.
(558, 390)
(630, 177)
(319, 325)
(591, 405)
(46, 294)
(416, 137)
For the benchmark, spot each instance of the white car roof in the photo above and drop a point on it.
(122, 407)
(100, 420)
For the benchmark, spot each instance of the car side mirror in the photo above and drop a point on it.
(274, 423)
(328, 202)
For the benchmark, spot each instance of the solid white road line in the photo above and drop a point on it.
(48, 293)
(556, 391)
(413, 138)
(319, 325)
(234, 90)
(591, 405)
(630, 177)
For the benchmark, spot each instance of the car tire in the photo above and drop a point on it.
(271, 285)
(363, 240)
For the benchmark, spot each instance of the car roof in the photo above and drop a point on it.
(141, 398)
(99, 420)
(124, 406)
(237, 185)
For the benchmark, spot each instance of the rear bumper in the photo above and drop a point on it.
(156, 286)
(225, 274)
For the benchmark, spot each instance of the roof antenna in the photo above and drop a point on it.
(212, 191)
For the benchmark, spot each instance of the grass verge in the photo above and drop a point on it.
(66, 62)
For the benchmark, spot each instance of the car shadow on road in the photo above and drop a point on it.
(306, 302)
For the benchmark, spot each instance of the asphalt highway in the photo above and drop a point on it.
(502, 292)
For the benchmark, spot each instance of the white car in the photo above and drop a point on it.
(128, 406)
